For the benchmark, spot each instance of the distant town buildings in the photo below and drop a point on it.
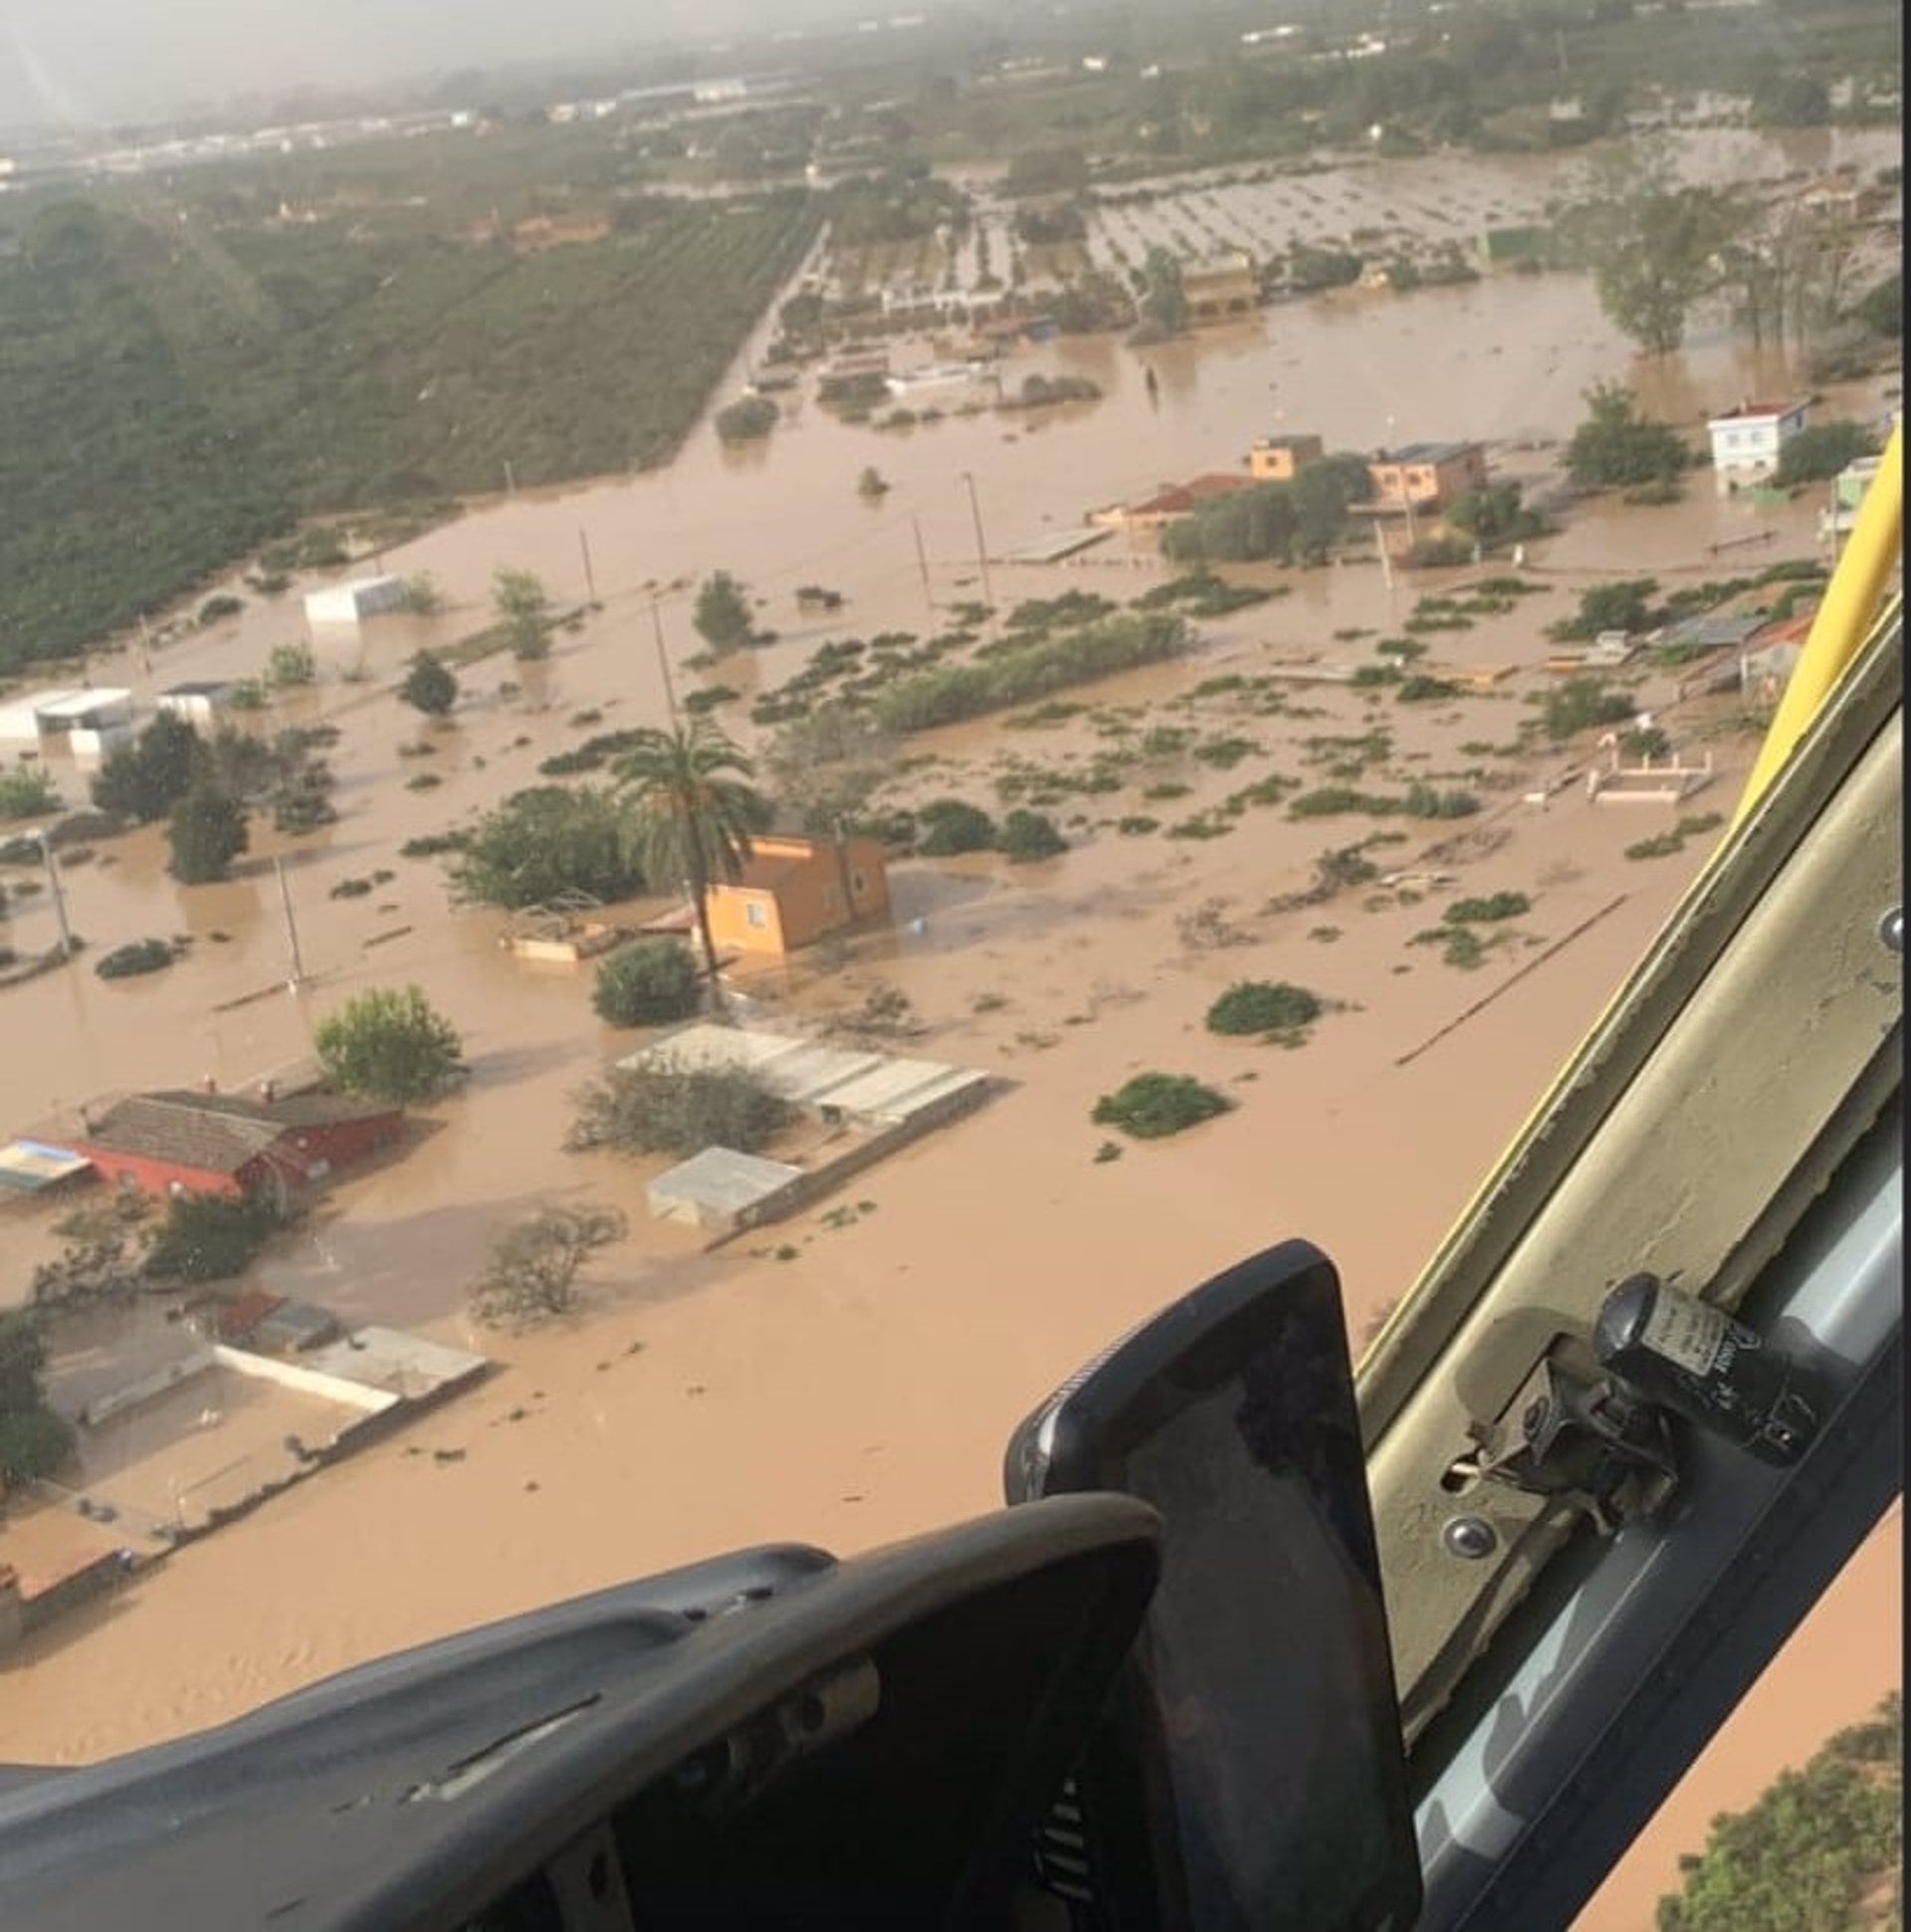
(796, 891)
(1747, 441)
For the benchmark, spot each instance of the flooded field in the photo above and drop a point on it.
(863, 1389)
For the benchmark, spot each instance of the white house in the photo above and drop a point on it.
(347, 603)
(1746, 441)
(86, 721)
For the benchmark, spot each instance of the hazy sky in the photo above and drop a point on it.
(90, 61)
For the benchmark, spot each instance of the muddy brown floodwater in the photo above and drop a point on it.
(863, 1389)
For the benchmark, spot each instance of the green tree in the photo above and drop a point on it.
(207, 1237)
(1582, 704)
(1027, 837)
(523, 609)
(1321, 496)
(692, 813)
(947, 826)
(545, 842)
(1654, 244)
(206, 833)
(389, 1044)
(289, 666)
(1616, 447)
(422, 597)
(1821, 451)
(1494, 515)
(143, 780)
(1243, 527)
(723, 617)
(1881, 307)
(669, 1109)
(27, 794)
(34, 1439)
(746, 419)
(531, 1275)
(1818, 1847)
(649, 984)
(1163, 300)
(825, 768)
(430, 686)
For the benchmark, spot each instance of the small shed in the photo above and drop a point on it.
(351, 603)
(720, 1190)
(198, 701)
(294, 1327)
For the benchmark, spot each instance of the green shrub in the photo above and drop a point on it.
(746, 419)
(1152, 1106)
(650, 983)
(947, 826)
(1482, 912)
(1030, 835)
(1264, 1007)
(1661, 845)
(678, 1110)
(26, 794)
(209, 1238)
(1021, 672)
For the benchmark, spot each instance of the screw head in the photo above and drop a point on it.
(1471, 1537)
(1891, 928)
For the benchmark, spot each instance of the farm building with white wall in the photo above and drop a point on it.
(350, 603)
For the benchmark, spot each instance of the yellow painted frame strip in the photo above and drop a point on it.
(1844, 620)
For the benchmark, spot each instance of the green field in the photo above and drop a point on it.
(184, 382)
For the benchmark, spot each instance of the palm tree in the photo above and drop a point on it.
(691, 813)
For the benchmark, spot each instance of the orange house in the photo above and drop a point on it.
(1425, 475)
(796, 891)
(1280, 459)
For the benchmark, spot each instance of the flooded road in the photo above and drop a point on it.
(863, 1390)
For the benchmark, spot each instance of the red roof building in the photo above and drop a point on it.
(227, 1144)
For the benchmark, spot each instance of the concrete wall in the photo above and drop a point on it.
(308, 1381)
(145, 1388)
(825, 1180)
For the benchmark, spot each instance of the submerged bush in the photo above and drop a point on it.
(1263, 1007)
(1153, 1105)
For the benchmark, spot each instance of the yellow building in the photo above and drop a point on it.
(1279, 459)
(1219, 290)
(796, 891)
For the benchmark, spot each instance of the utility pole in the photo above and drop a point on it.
(58, 895)
(921, 566)
(663, 662)
(982, 543)
(292, 928)
(590, 583)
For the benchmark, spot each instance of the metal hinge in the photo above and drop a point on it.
(1580, 1440)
